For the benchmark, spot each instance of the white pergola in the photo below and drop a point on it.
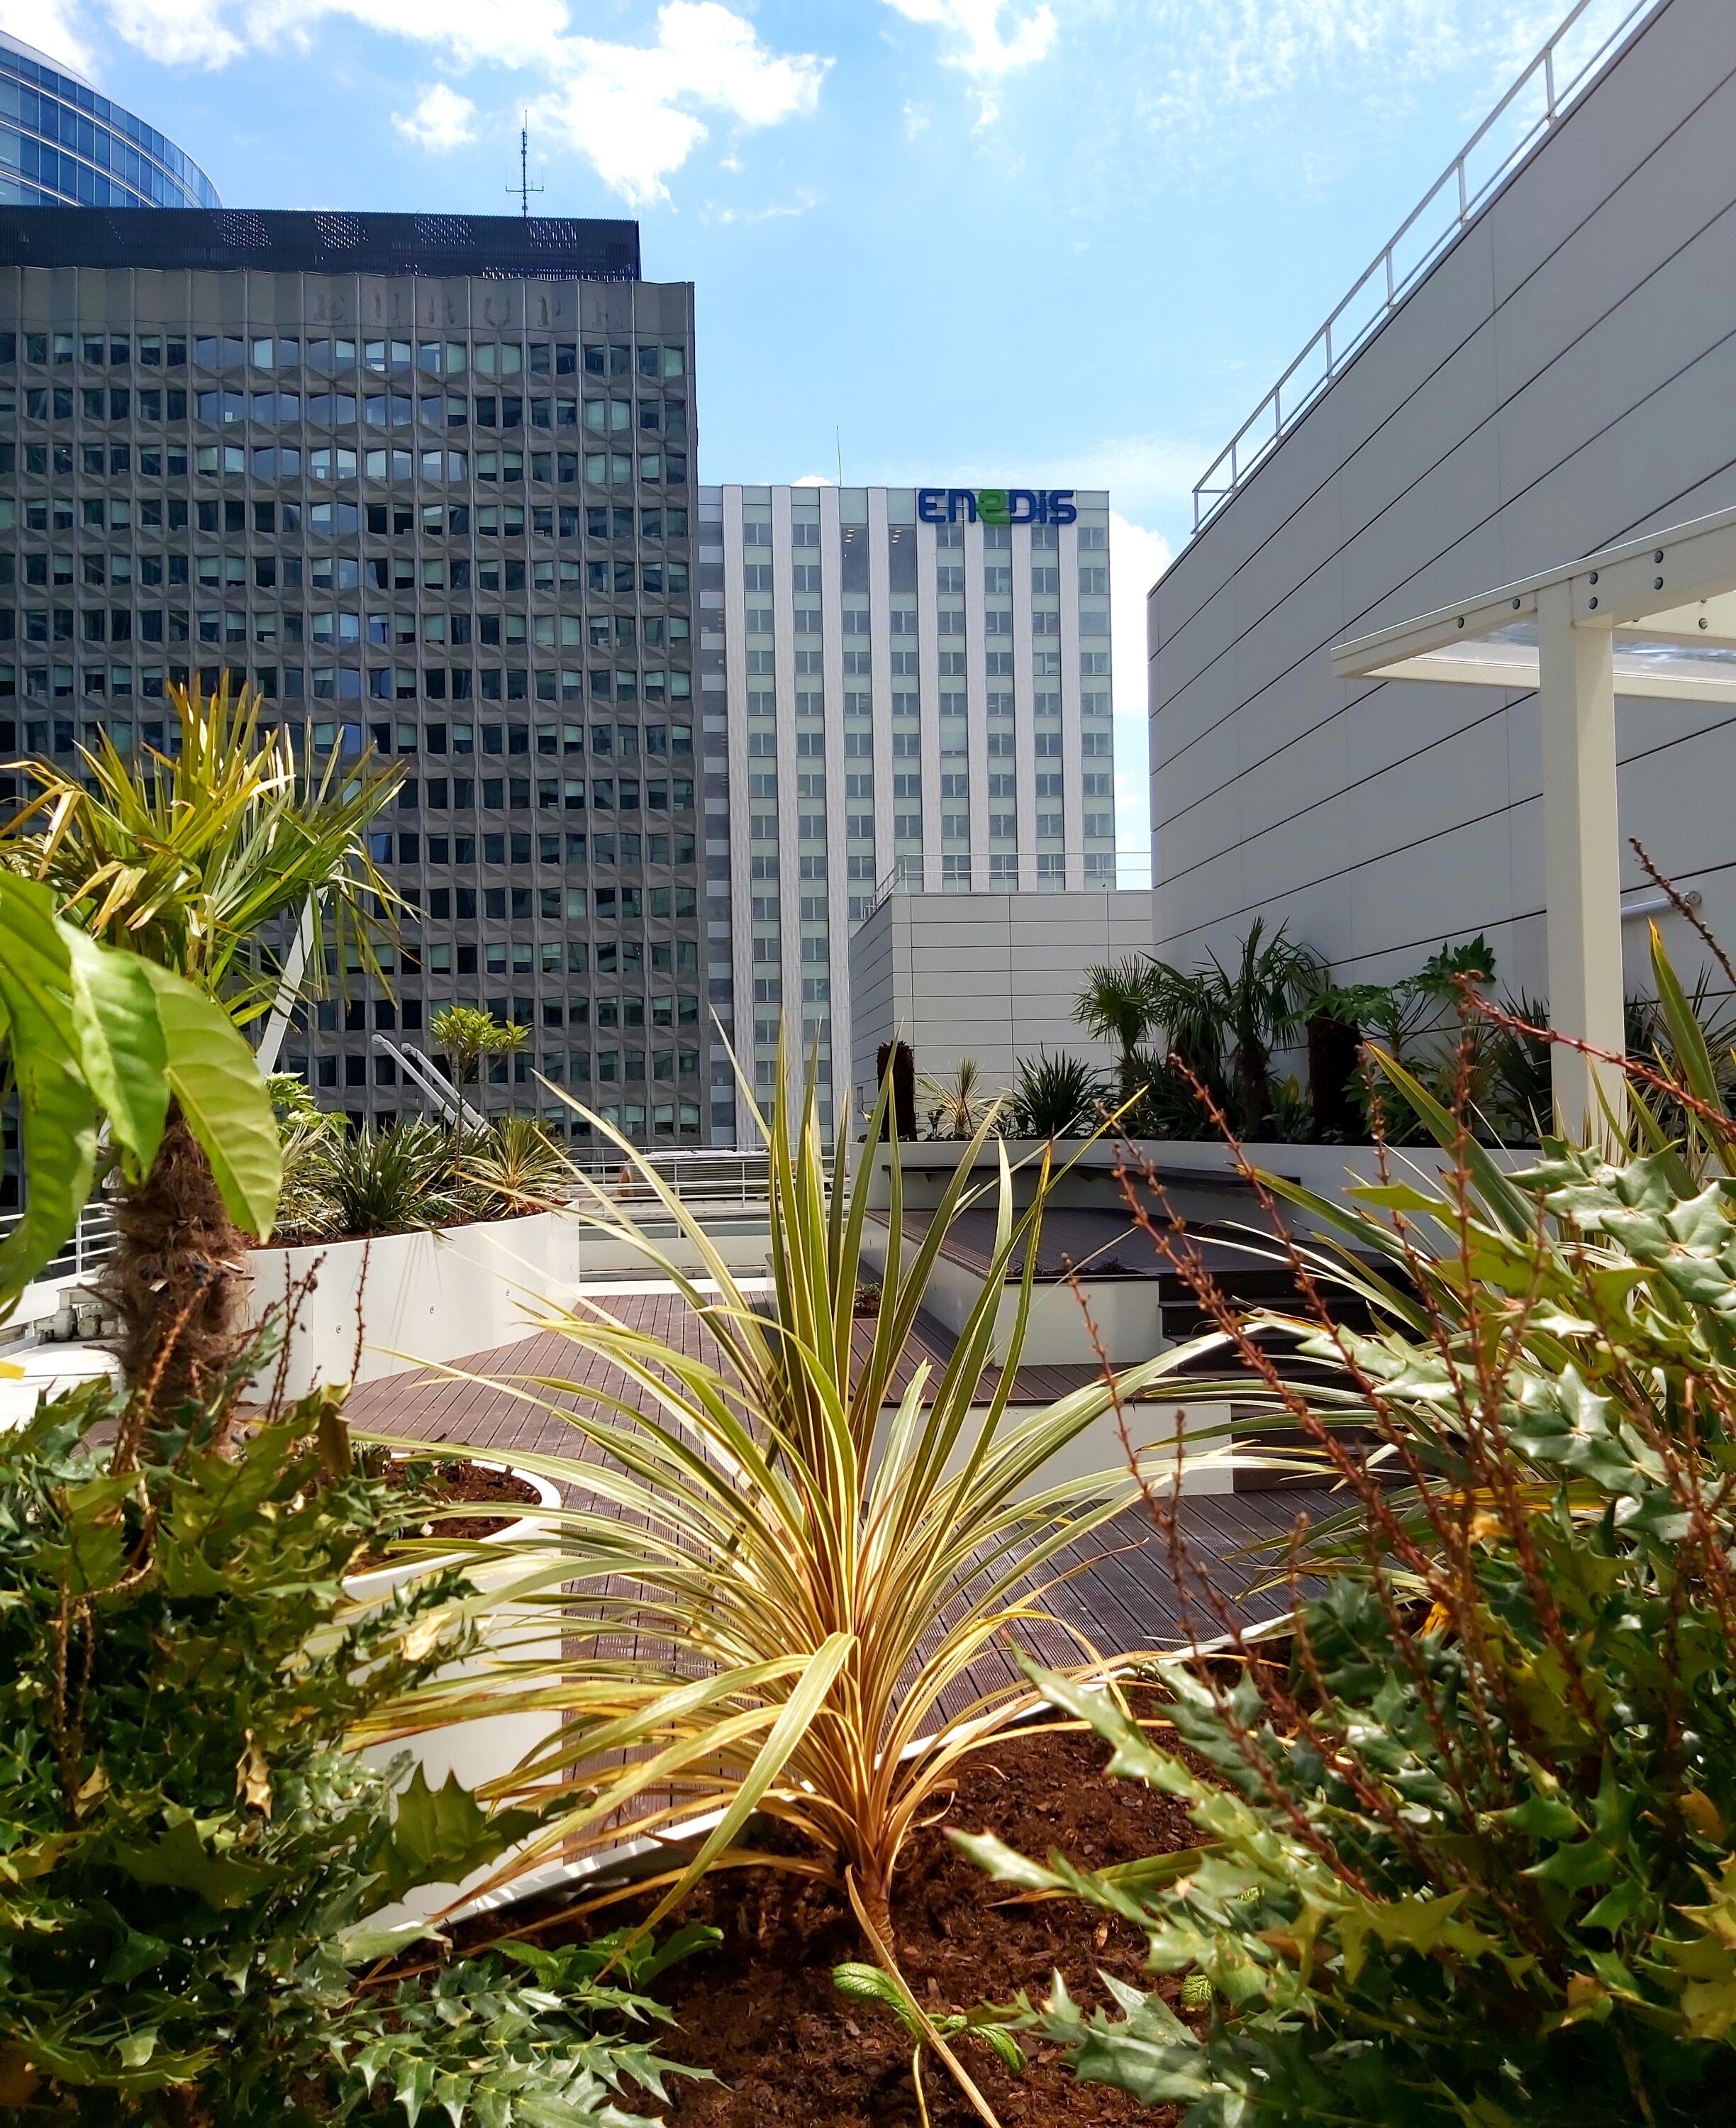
(1654, 617)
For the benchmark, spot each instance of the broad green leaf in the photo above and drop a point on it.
(57, 1115)
(213, 1075)
(115, 1005)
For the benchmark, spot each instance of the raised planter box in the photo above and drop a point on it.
(438, 1295)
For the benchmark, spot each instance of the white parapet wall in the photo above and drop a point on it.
(991, 976)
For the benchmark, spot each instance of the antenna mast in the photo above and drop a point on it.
(524, 187)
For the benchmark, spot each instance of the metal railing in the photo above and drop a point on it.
(1130, 868)
(92, 1243)
(717, 1179)
(1535, 105)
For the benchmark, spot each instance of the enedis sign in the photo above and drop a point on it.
(996, 506)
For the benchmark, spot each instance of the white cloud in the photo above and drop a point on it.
(917, 119)
(48, 25)
(981, 45)
(1137, 557)
(440, 121)
(813, 480)
(627, 107)
(633, 110)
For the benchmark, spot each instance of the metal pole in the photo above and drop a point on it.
(272, 1041)
(1581, 870)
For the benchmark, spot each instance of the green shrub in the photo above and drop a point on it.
(1054, 1097)
(1468, 1841)
(189, 1854)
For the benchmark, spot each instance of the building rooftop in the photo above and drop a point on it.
(494, 247)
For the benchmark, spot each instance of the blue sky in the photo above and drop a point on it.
(1031, 241)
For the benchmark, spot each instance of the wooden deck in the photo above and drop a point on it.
(1113, 1592)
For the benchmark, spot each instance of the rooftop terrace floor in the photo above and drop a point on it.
(1119, 1593)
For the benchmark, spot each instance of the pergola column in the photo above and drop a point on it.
(1582, 860)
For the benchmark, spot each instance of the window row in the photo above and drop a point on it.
(331, 520)
(328, 357)
(344, 572)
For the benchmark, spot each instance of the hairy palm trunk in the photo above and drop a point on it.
(181, 1260)
(1253, 1084)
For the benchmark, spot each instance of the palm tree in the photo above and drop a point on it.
(1261, 1004)
(1119, 1005)
(187, 862)
(465, 1034)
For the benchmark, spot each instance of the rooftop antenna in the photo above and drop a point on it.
(838, 434)
(524, 187)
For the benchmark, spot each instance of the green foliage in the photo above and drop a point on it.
(464, 1033)
(187, 862)
(1467, 1841)
(513, 1166)
(1054, 1097)
(390, 1181)
(766, 1531)
(956, 1106)
(190, 1853)
(87, 1033)
(412, 1175)
(858, 1982)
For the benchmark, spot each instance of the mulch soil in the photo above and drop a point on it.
(458, 1480)
(760, 2012)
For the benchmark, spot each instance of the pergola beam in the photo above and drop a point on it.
(1676, 587)
(1614, 588)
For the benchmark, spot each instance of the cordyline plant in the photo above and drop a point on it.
(802, 1539)
(1468, 1842)
(188, 860)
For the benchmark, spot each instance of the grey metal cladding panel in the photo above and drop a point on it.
(1439, 542)
(1396, 720)
(1683, 313)
(1463, 774)
(1686, 49)
(1623, 242)
(1640, 471)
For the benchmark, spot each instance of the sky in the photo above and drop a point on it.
(996, 242)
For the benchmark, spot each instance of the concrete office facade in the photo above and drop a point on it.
(1561, 380)
(901, 685)
(63, 143)
(426, 482)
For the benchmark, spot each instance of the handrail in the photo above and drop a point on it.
(1388, 281)
(925, 873)
(91, 1243)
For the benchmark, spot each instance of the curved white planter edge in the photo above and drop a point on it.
(486, 1748)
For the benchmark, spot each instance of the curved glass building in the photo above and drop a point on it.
(63, 144)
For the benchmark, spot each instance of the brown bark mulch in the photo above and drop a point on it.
(761, 2012)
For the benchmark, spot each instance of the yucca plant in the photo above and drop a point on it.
(390, 1181)
(188, 862)
(776, 1590)
(958, 1104)
(514, 1166)
(1056, 1096)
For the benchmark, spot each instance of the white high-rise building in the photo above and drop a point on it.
(906, 686)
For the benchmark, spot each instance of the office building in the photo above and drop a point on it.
(903, 685)
(64, 143)
(1554, 373)
(425, 481)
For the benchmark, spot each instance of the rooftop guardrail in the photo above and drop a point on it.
(1530, 110)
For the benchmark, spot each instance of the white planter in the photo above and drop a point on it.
(427, 1296)
(489, 1748)
(436, 1296)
